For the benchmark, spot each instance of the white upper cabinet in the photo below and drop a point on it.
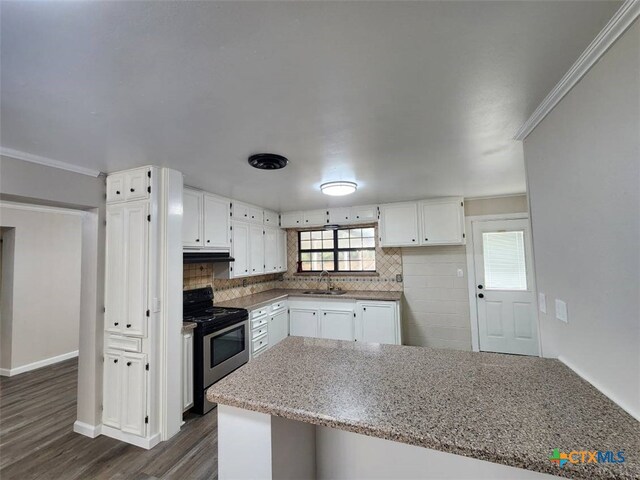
(291, 219)
(364, 214)
(129, 185)
(256, 249)
(240, 249)
(442, 221)
(192, 206)
(271, 253)
(271, 218)
(247, 213)
(282, 251)
(315, 218)
(340, 216)
(399, 225)
(216, 221)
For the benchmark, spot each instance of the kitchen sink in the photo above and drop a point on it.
(324, 292)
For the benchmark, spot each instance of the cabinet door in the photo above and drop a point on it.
(136, 183)
(303, 322)
(256, 249)
(216, 222)
(136, 261)
(114, 279)
(278, 326)
(134, 393)
(291, 219)
(271, 254)
(240, 249)
(337, 324)
(365, 214)
(247, 213)
(315, 218)
(282, 250)
(339, 216)
(270, 218)
(399, 225)
(442, 221)
(377, 323)
(112, 389)
(256, 215)
(115, 188)
(187, 370)
(192, 218)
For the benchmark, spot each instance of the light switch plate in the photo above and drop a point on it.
(561, 311)
(542, 302)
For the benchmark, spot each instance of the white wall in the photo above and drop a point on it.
(583, 171)
(436, 300)
(45, 312)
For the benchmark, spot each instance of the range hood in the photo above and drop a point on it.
(207, 257)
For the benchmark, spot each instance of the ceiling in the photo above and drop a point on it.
(409, 99)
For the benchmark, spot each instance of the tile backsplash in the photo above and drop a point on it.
(388, 264)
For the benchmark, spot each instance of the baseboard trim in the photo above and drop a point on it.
(602, 390)
(10, 372)
(91, 431)
(143, 442)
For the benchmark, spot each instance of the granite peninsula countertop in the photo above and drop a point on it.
(188, 326)
(258, 300)
(505, 409)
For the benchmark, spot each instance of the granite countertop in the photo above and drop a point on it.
(187, 326)
(258, 300)
(506, 409)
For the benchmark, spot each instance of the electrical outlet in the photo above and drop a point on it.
(460, 273)
(542, 302)
(399, 278)
(244, 282)
(561, 311)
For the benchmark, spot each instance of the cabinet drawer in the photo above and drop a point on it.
(259, 312)
(260, 351)
(259, 343)
(259, 322)
(119, 342)
(259, 332)
(278, 306)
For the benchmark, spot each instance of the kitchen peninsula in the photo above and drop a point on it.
(316, 408)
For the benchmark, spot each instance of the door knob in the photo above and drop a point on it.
(481, 295)
(480, 287)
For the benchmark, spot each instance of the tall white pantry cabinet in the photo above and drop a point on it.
(141, 401)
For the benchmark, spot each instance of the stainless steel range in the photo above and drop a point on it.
(221, 342)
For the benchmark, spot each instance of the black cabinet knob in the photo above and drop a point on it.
(365, 309)
(314, 313)
(115, 361)
(208, 241)
(116, 323)
(128, 325)
(357, 216)
(426, 239)
(117, 192)
(413, 239)
(133, 190)
(197, 240)
(128, 364)
(480, 287)
(481, 295)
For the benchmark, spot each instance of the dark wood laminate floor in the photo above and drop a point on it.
(37, 411)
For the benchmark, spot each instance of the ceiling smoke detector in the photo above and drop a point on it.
(268, 161)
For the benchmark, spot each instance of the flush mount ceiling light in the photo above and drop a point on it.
(268, 161)
(338, 189)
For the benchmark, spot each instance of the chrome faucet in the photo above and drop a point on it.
(329, 286)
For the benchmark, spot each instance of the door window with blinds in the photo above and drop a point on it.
(342, 250)
(505, 266)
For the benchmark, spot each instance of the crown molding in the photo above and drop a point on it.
(49, 162)
(613, 30)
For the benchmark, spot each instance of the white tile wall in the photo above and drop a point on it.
(436, 303)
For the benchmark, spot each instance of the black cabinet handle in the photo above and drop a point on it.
(413, 239)
(325, 313)
(426, 239)
(117, 192)
(128, 364)
(245, 214)
(208, 241)
(197, 240)
(481, 295)
(314, 313)
(128, 325)
(116, 323)
(357, 216)
(115, 361)
(133, 190)
(364, 308)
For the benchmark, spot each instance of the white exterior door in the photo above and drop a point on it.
(303, 322)
(505, 288)
(256, 249)
(216, 222)
(278, 327)
(240, 249)
(337, 324)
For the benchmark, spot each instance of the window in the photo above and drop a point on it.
(504, 261)
(342, 250)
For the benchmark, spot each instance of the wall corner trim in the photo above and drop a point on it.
(91, 431)
(614, 29)
(49, 162)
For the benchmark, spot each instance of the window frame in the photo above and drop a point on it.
(335, 250)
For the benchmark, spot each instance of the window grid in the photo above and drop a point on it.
(341, 250)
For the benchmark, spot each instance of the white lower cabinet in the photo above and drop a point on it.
(278, 326)
(337, 324)
(303, 322)
(361, 321)
(125, 387)
(376, 322)
(187, 370)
